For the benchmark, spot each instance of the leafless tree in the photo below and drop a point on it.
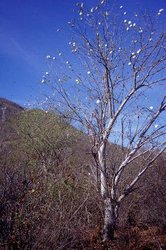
(112, 87)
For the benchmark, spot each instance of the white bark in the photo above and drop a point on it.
(103, 179)
(110, 218)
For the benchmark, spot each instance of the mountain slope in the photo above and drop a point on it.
(8, 110)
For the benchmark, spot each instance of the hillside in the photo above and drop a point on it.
(8, 110)
(46, 179)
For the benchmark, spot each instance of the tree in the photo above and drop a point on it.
(45, 138)
(112, 87)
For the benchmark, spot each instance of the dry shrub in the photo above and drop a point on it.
(51, 210)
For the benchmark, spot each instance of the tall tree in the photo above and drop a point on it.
(112, 87)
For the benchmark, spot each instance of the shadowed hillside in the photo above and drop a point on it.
(8, 110)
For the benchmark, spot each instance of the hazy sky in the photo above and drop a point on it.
(28, 32)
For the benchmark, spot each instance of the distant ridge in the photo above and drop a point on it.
(8, 103)
(8, 109)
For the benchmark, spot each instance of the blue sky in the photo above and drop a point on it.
(28, 32)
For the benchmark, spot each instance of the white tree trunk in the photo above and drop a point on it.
(109, 219)
(103, 179)
(110, 207)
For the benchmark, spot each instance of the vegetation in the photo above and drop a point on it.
(50, 201)
(89, 172)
